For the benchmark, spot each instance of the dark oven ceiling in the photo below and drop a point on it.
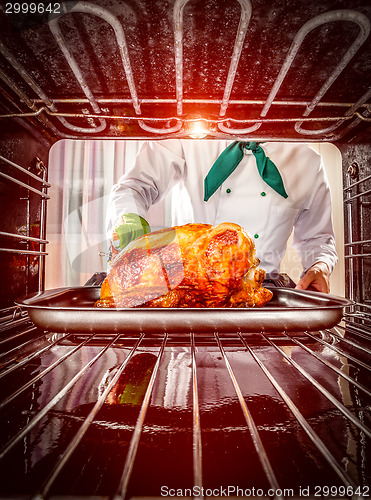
(284, 69)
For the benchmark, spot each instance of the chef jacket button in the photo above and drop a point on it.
(228, 190)
(256, 236)
(263, 193)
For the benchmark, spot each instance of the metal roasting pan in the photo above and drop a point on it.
(72, 310)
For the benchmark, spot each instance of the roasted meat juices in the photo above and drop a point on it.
(194, 265)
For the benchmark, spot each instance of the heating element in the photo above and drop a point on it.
(119, 43)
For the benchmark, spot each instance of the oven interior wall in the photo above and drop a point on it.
(357, 217)
(21, 209)
(92, 415)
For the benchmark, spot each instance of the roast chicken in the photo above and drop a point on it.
(195, 265)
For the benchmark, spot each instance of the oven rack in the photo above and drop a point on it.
(176, 123)
(341, 387)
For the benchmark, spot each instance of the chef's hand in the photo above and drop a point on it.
(127, 228)
(316, 278)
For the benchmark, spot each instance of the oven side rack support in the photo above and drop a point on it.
(41, 241)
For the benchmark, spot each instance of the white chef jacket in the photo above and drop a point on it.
(244, 198)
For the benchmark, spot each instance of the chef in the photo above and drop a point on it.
(267, 188)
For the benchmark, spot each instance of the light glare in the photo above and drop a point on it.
(197, 129)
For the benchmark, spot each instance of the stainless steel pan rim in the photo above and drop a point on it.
(72, 309)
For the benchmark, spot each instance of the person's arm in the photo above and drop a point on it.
(158, 166)
(316, 278)
(314, 237)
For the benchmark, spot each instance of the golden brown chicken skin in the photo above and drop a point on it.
(195, 265)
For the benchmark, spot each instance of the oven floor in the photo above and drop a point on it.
(228, 415)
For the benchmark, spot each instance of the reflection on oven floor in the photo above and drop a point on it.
(304, 412)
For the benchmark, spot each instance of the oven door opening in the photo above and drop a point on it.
(82, 174)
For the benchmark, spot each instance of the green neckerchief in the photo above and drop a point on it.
(227, 162)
